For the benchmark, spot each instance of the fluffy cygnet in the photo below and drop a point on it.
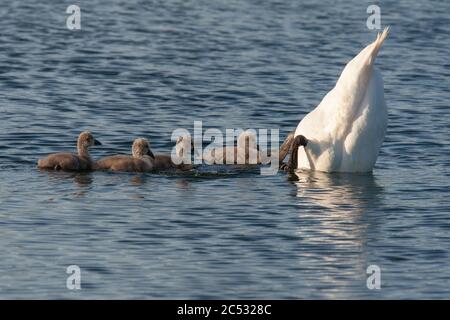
(69, 161)
(180, 160)
(245, 153)
(142, 159)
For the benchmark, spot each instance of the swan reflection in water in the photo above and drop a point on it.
(337, 219)
(58, 179)
(81, 179)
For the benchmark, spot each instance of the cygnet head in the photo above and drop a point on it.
(184, 143)
(86, 140)
(141, 148)
(247, 139)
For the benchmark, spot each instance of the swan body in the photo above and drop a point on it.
(142, 159)
(179, 159)
(345, 131)
(81, 161)
(245, 153)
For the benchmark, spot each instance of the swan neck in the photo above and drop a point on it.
(83, 151)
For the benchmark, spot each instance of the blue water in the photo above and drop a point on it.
(144, 68)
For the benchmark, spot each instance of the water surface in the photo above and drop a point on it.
(144, 68)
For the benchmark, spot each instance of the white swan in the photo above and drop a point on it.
(345, 131)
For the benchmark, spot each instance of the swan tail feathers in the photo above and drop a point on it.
(376, 45)
(383, 35)
(380, 38)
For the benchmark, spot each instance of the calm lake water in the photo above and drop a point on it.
(144, 68)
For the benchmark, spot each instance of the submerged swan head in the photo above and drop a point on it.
(183, 145)
(141, 148)
(86, 140)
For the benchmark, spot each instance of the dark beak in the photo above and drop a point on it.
(97, 143)
(150, 154)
